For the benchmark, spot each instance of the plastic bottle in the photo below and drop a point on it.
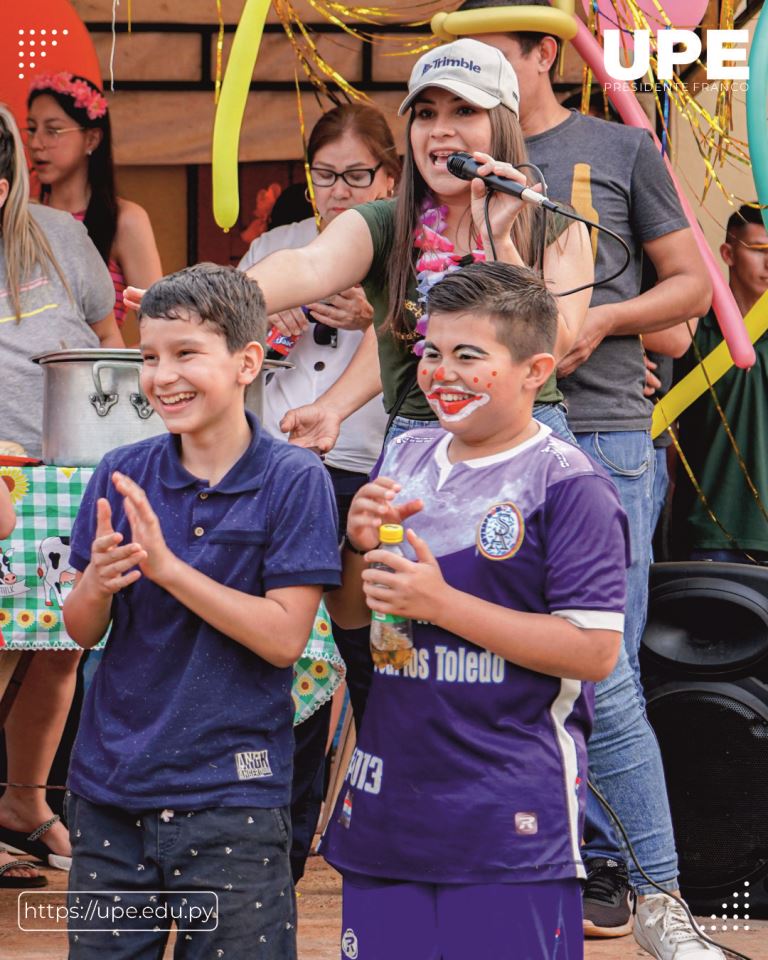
(391, 636)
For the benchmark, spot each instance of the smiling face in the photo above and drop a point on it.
(348, 155)
(191, 378)
(57, 155)
(478, 391)
(443, 124)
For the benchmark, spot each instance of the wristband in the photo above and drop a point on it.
(347, 543)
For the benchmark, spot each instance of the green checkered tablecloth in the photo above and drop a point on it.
(35, 574)
(35, 578)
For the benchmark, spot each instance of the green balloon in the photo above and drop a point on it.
(757, 99)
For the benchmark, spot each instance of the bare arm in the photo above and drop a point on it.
(135, 248)
(337, 259)
(672, 342)
(7, 513)
(108, 332)
(568, 263)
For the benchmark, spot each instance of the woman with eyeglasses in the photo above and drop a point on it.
(54, 290)
(69, 139)
(352, 159)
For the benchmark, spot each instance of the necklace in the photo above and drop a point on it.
(437, 258)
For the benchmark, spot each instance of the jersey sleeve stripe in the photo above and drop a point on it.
(593, 619)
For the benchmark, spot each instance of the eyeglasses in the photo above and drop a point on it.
(358, 177)
(48, 136)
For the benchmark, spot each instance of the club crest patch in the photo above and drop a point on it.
(501, 531)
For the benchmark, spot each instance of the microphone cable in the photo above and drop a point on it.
(620, 827)
(571, 215)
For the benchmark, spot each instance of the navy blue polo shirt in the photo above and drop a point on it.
(178, 714)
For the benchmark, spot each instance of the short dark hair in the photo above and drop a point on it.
(515, 299)
(222, 297)
(528, 39)
(740, 218)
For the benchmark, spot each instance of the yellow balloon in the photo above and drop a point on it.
(558, 20)
(716, 363)
(230, 110)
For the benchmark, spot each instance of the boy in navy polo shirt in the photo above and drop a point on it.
(458, 827)
(207, 548)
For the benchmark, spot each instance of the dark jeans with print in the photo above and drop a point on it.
(222, 875)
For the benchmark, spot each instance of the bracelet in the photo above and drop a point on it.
(347, 543)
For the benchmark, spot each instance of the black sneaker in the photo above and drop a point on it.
(608, 899)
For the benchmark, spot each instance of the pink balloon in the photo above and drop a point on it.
(623, 98)
(684, 14)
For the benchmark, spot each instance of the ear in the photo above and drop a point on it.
(390, 186)
(251, 361)
(5, 189)
(726, 252)
(547, 53)
(93, 137)
(540, 367)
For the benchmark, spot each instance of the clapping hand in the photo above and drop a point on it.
(145, 529)
(112, 567)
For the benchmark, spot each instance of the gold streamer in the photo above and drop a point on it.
(303, 131)
(219, 51)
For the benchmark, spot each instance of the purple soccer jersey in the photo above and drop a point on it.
(468, 768)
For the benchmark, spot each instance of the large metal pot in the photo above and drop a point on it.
(93, 402)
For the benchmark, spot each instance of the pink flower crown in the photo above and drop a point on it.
(85, 97)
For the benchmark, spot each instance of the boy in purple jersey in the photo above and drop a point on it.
(458, 827)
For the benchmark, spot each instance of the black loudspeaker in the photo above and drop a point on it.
(704, 659)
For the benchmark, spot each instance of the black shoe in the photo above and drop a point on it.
(608, 899)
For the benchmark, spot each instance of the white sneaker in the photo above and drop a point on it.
(662, 928)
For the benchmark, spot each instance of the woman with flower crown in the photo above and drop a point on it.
(461, 97)
(69, 139)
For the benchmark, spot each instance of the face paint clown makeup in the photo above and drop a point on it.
(452, 404)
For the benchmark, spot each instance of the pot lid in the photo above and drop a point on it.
(121, 353)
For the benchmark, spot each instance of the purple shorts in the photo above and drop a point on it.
(382, 919)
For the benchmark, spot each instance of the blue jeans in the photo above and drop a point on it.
(553, 416)
(660, 486)
(240, 854)
(403, 424)
(624, 758)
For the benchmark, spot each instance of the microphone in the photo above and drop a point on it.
(465, 167)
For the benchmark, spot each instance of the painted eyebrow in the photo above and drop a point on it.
(469, 346)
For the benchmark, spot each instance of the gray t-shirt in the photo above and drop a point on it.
(50, 320)
(612, 174)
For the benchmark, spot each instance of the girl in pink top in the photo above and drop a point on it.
(69, 139)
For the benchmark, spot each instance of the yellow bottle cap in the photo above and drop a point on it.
(391, 533)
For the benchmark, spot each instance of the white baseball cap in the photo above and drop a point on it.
(474, 71)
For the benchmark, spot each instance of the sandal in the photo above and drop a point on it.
(33, 846)
(16, 882)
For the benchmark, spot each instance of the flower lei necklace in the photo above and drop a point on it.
(438, 257)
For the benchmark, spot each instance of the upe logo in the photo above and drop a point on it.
(725, 50)
(349, 944)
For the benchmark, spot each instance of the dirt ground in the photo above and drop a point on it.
(319, 900)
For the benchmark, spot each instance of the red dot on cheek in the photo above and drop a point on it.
(475, 380)
(493, 373)
(489, 385)
(424, 372)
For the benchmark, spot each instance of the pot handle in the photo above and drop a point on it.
(103, 402)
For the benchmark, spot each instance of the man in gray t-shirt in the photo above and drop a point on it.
(614, 175)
